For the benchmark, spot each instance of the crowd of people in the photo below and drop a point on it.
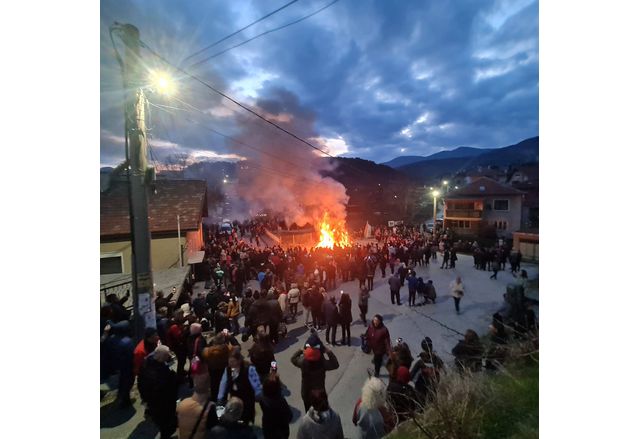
(201, 335)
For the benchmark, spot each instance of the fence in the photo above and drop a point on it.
(120, 290)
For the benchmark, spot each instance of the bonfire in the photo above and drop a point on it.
(332, 233)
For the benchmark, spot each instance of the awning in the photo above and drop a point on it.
(196, 257)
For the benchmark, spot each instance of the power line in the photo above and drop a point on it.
(238, 31)
(274, 171)
(215, 90)
(265, 33)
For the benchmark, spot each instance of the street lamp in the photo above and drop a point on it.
(446, 183)
(162, 82)
(435, 198)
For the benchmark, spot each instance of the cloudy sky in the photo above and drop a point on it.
(369, 79)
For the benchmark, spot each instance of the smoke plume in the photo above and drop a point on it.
(281, 174)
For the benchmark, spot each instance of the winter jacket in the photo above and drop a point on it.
(294, 295)
(412, 282)
(363, 299)
(233, 310)
(314, 372)
(158, 385)
(372, 423)
(457, 289)
(236, 430)
(139, 355)
(276, 416)
(379, 339)
(189, 410)
(331, 315)
(325, 425)
(394, 283)
(345, 309)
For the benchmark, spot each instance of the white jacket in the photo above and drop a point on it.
(457, 289)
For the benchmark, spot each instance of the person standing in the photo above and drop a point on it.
(412, 282)
(445, 259)
(314, 366)
(217, 358)
(332, 318)
(320, 421)
(495, 266)
(394, 288)
(371, 269)
(383, 264)
(197, 414)
(345, 317)
(363, 304)
(241, 380)
(233, 312)
(144, 348)
(402, 395)
(453, 257)
(294, 297)
(371, 414)
(158, 386)
(276, 413)
(379, 340)
(457, 291)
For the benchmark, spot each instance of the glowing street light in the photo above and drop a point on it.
(435, 197)
(224, 181)
(162, 82)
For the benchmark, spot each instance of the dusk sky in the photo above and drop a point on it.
(362, 78)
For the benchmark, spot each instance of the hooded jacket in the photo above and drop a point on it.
(320, 425)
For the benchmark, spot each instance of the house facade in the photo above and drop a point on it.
(170, 198)
(484, 203)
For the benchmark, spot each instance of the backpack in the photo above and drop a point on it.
(365, 344)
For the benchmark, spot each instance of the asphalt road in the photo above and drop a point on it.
(482, 298)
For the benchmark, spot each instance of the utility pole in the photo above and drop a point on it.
(142, 278)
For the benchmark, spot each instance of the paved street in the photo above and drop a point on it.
(483, 297)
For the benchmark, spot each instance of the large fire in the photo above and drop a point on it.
(332, 235)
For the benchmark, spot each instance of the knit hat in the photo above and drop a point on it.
(195, 328)
(233, 410)
(402, 375)
(162, 353)
(312, 354)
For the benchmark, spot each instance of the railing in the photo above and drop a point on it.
(120, 290)
(463, 213)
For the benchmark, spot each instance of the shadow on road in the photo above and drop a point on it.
(112, 416)
(144, 430)
(291, 339)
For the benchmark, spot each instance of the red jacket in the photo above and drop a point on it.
(379, 339)
(139, 354)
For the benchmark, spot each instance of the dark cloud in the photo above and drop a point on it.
(383, 75)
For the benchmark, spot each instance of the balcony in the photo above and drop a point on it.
(463, 213)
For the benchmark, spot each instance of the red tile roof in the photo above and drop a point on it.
(187, 198)
(491, 187)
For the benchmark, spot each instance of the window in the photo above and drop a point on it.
(111, 264)
(460, 224)
(500, 225)
(500, 204)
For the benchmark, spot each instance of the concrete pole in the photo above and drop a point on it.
(180, 243)
(142, 278)
(435, 208)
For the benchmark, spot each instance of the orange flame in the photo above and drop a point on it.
(331, 236)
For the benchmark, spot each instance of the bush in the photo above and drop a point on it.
(493, 405)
